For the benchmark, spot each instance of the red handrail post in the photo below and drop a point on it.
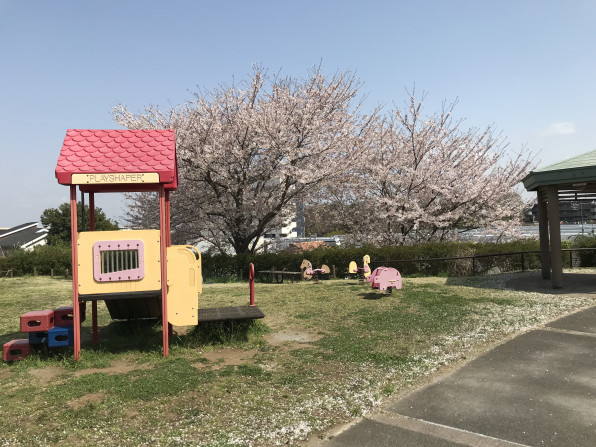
(251, 281)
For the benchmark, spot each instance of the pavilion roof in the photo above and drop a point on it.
(574, 174)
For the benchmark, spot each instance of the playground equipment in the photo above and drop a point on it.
(51, 328)
(137, 273)
(385, 278)
(364, 271)
(308, 272)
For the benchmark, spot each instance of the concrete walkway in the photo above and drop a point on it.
(538, 389)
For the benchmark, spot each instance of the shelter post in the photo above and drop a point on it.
(543, 234)
(554, 225)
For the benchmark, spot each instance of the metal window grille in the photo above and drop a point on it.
(119, 260)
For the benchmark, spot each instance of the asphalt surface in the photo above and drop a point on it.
(537, 389)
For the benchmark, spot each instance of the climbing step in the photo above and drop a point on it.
(60, 336)
(37, 321)
(16, 350)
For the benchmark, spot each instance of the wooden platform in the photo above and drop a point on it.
(230, 313)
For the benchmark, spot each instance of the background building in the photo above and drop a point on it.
(570, 212)
(25, 236)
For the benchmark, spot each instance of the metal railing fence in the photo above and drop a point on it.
(481, 264)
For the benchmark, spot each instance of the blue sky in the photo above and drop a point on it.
(528, 67)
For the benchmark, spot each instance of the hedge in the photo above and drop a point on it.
(43, 258)
(586, 257)
(415, 260)
(389, 256)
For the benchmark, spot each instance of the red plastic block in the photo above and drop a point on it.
(63, 315)
(37, 321)
(16, 350)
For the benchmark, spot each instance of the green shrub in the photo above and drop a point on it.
(415, 260)
(43, 258)
(587, 258)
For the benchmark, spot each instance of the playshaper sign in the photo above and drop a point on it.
(116, 177)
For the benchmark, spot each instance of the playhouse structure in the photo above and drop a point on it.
(137, 273)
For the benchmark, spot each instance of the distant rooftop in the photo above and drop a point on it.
(22, 236)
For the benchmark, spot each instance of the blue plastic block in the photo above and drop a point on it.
(60, 336)
(38, 338)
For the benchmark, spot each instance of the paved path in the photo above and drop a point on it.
(538, 389)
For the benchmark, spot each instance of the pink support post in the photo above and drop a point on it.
(93, 303)
(168, 243)
(168, 229)
(76, 312)
(251, 281)
(164, 272)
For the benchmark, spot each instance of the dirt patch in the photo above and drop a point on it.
(80, 402)
(130, 413)
(291, 337)
(226, 357)
(293, 346)
(47, 374)
(118, 367)
(4, 374)
(285, 340)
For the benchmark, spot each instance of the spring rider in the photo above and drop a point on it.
(362, 272)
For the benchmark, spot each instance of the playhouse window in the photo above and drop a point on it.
(118, 260)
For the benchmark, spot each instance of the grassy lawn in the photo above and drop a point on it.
(324, 354)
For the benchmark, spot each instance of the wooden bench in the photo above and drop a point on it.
(279, 275)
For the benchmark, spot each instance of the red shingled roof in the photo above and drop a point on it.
(87, 151)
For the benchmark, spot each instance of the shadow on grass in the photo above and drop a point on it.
(222, 333)
(141, 335)
(5, 338)
(372, 295)
(580, 283)
(146, 336)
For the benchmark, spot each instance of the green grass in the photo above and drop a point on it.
(325, 353)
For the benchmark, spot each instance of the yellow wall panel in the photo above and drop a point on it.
(184, 285)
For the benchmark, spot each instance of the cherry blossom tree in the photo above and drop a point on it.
(426, 177)
(246, 153)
